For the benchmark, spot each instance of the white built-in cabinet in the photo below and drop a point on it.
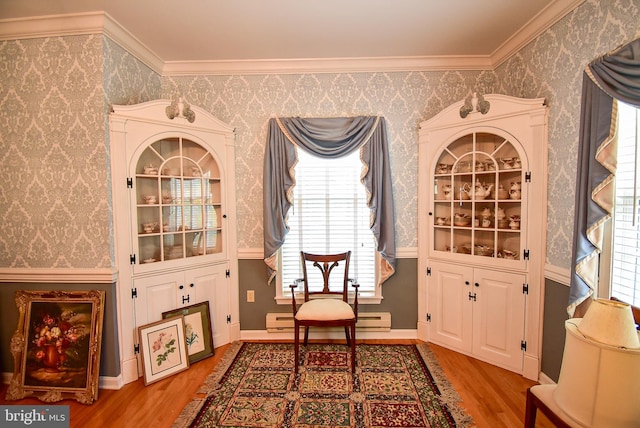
(174, 219)
(482, 229)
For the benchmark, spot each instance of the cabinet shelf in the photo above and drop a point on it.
(176, 182)
(470, 182)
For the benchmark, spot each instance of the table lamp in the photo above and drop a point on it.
(599, 383)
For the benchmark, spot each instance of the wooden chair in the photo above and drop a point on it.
(325, 307)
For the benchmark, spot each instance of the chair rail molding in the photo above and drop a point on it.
(55, 276)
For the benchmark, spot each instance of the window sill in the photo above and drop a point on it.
(362, 300)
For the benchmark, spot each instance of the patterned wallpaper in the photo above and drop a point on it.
(52, 161)
(54, 165)
(54, 93)
(551, 67)
(404, 99)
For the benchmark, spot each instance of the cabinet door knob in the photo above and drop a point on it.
(224, 216)
(477, 284)
(181, 287)
(466, 283)
(191, 285)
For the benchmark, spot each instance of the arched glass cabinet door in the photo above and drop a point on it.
(178, 199)
(478, 197)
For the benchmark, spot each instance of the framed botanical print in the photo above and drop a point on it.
(198, 334)
(163, 349)
(56, 347)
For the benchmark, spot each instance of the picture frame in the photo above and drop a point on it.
(56, 346)
(198, 333)
(163, 349)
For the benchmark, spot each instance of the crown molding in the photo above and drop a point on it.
(551, 14)
(103, 23)
(327, 65)
(79, 24)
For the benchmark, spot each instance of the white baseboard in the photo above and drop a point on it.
(543, 379)
(109, 382)
(319, 334)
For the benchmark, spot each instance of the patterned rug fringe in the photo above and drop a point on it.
(449, 397)
(211, 383)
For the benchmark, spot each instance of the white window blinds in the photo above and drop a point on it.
(625, 273)
(329, 215)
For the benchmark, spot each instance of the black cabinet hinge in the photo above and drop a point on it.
(136, 348)
(428, 271)
(525, 288)
(228, 319)
(129, 183)
(525, 255)
(523, 345)
(134, 293)
(228, 273)
(132, 259)
(428, 317)
(527, 177)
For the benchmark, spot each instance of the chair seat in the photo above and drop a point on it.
(325, 310)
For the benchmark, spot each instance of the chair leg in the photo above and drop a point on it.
(306, 335)
(353, 347)
(530, 411)
(346, 333)
(296, 345)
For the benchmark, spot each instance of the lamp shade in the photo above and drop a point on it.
(599, 384)
(611, 323)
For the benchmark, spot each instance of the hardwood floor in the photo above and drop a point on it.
(493, 396)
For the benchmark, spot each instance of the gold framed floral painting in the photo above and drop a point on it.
(163, 349)
(197, 326)
(56, 347)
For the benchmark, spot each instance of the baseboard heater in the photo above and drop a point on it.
(367, 321)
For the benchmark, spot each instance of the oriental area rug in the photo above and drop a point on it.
(393, 386)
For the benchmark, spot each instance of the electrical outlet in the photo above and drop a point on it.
(251, 296)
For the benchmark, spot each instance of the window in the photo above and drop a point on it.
(329, 215)
(625, 258)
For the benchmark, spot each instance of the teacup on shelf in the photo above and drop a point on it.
(443, 168)
(150, 199)
(150, 170)
(149, 227)
(441, 221)
(508, 254)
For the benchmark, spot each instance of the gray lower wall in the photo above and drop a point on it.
(109, 355)
(399, 293)
(556, 296)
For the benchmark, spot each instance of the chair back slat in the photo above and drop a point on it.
(326, 263)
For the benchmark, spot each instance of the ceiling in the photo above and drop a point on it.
(191, 31)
